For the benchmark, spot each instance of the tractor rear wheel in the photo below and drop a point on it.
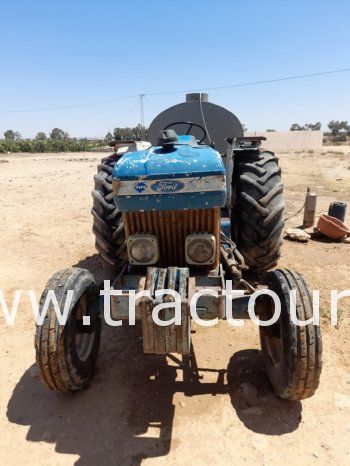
(66, 352)
(258, 209)
(108, 226)
(292, 353)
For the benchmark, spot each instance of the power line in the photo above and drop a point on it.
(151, 105)
(128, 112)
(126, 115)
(66, 107)
(252, 83)
(182, 91)
(148, 102)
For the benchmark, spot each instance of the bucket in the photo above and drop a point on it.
(332, 227)
(337, 210)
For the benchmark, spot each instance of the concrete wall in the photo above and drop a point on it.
(290, 140)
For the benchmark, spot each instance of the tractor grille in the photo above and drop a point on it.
(171, 228)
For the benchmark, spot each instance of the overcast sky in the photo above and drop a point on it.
(61, 53)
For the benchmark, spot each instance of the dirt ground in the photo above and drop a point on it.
(137, 409)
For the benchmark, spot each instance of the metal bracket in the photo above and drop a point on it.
(247, 143)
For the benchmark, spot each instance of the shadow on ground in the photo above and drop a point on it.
(97, 267)
(252, 397)
(107, 423)
(127, 414)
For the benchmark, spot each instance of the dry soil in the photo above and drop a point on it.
(137, 410)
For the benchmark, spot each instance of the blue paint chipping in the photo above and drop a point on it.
(168, 180)
(185, 160)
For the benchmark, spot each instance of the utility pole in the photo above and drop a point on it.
(142, 116)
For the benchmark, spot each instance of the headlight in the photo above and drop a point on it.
(142, 249)
(200, 249)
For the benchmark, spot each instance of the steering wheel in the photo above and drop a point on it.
(190, 126)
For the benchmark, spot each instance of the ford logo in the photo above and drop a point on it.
(167, 186)
(140, 187)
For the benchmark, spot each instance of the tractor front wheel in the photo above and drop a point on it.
(66, 352)
(292, 353)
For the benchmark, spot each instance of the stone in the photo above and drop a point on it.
(346, 240)
(314, 232)
(310, 230)
(297, 234)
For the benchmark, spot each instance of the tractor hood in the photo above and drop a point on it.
(182, 176)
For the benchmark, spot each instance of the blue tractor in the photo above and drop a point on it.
(199, 208)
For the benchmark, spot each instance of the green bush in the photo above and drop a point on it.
(340, 138)
(47, 145)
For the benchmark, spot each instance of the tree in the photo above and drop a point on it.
(296, 127)
(40, 136)
(18, 136)
(57, 134)
(140, 132)
(9, 135)
(344, 126)
(270, 130)
(120, 133)
(307, 127)
(313, 126)
(335, 126)
(244, 128)
(109, 137)
(136, 133)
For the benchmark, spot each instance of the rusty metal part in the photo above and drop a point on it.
(209, 307)
(159, 332)
(250, 288)
(116, 186)
(232, 249)
(120, 303)
(240, 259)
(168, 314)
(167, 339)
(171, 229)
(232, 265)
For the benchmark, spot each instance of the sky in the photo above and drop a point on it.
(66, 53)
